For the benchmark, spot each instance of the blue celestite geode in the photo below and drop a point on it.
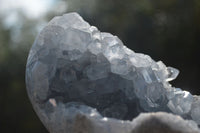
(74, 71)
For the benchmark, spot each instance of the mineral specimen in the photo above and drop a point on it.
(79, 76)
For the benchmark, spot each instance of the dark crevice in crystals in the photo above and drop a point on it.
(110, 101)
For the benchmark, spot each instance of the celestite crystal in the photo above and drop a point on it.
(75, 73)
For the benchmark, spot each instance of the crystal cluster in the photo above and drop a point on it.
(75, 71)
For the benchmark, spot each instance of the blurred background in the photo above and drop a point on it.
(167, 30)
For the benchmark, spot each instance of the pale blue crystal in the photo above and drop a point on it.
(75, 70)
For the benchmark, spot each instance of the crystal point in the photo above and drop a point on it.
(172, 73)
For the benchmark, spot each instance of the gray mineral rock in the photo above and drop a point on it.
(81, 80)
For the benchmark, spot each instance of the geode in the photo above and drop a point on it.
(81, 80)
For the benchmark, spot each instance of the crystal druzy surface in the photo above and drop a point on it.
(74, 69)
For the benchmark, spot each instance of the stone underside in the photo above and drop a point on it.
(74, 70)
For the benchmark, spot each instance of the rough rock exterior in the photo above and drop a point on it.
(79, 76)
